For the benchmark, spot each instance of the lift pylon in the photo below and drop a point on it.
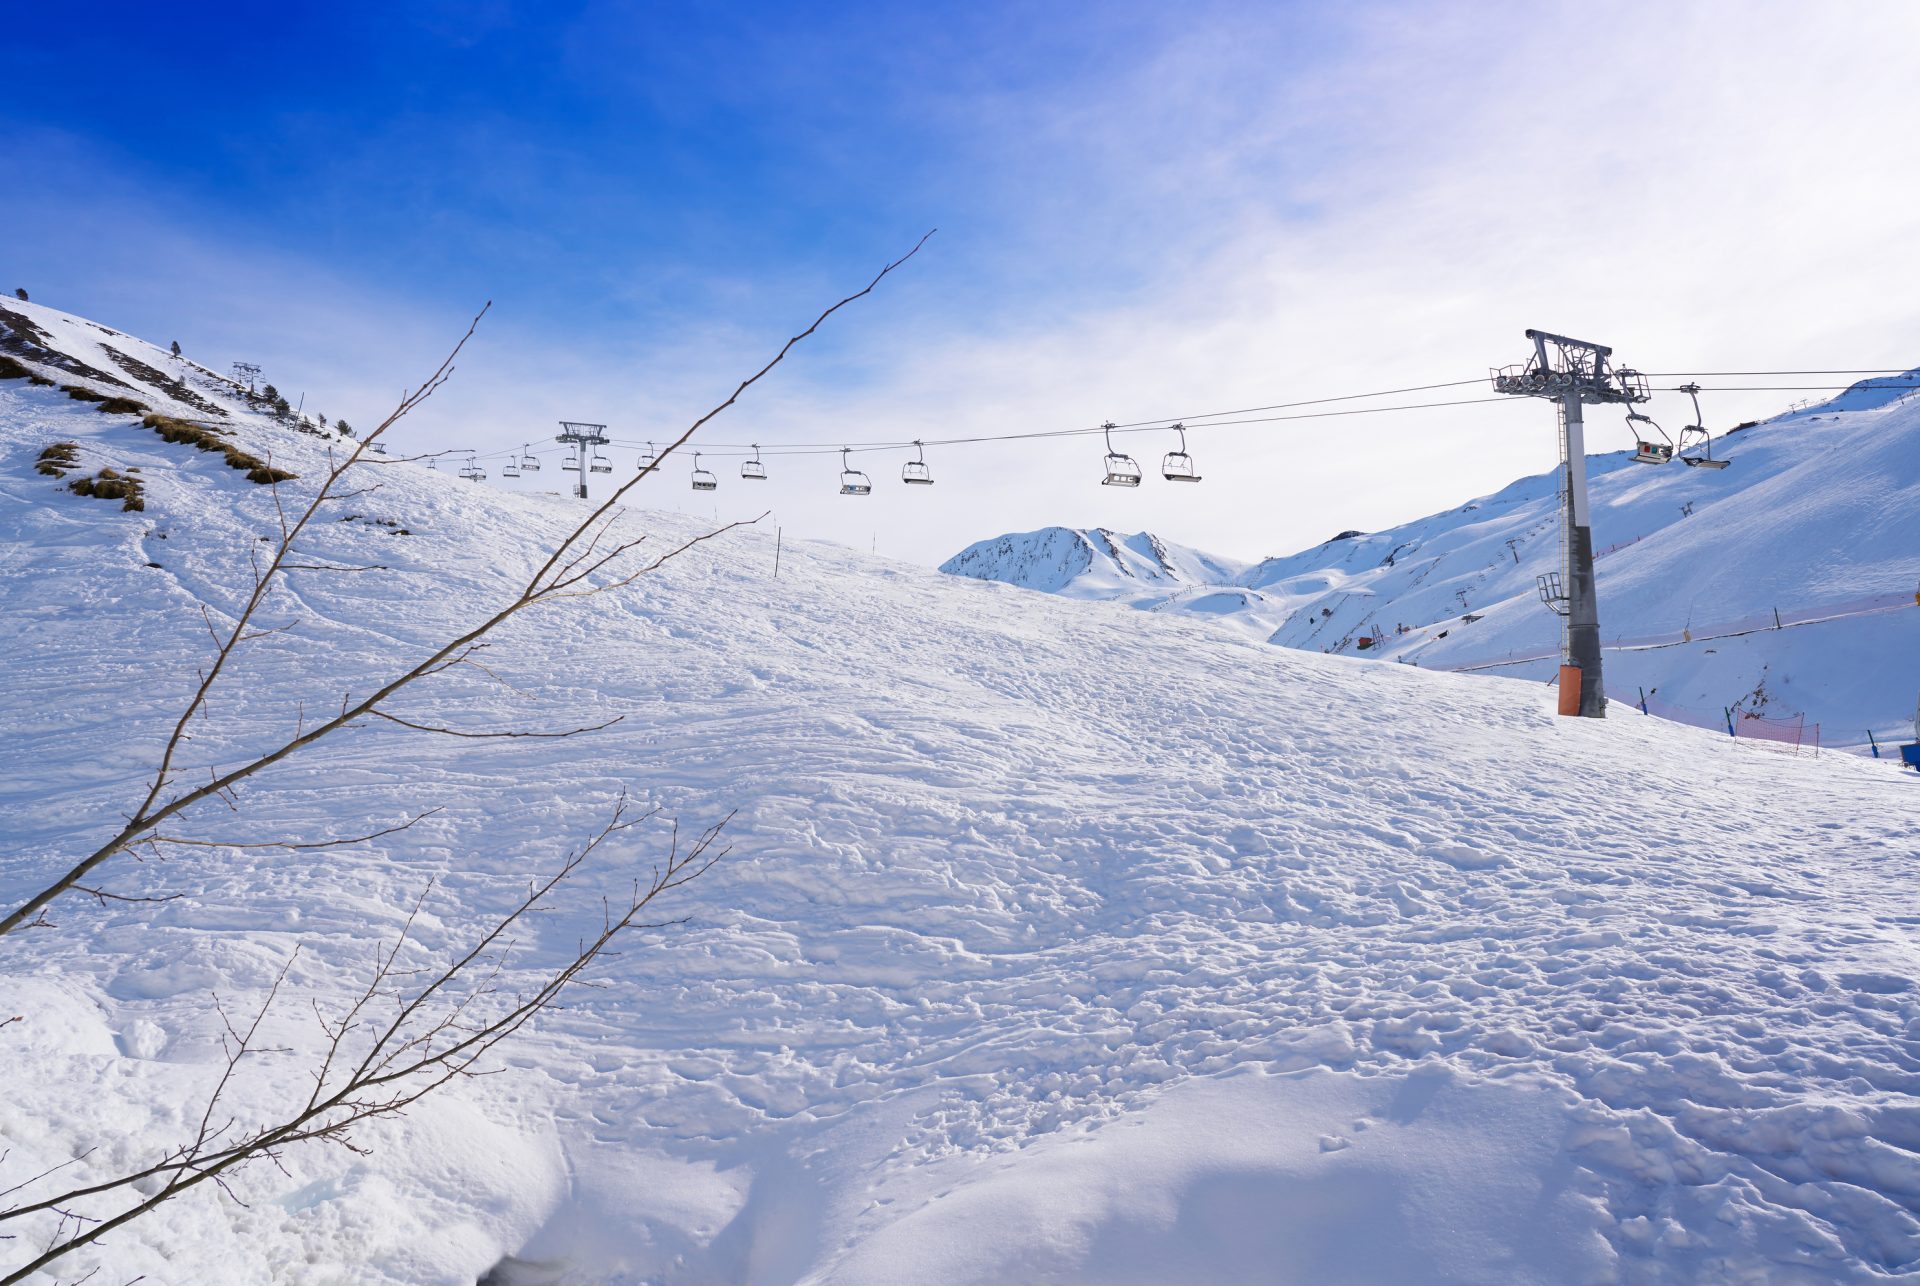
(582, 438)
(1573, 373)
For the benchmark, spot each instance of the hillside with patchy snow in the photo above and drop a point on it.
(1816, 518)
(1058, 942)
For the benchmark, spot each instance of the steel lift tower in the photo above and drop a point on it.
(1572, 373)
(581, 437)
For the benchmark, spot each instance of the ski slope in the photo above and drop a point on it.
(1816, 519)
(1059, 942)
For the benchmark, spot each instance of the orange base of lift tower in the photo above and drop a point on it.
(1570, 689)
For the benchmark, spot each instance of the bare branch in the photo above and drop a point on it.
(415, 1053)
(297, 845)
(456, 732)
(103, 897)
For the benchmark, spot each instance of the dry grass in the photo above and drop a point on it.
(56, 459)
(109, 485)
(207, 438)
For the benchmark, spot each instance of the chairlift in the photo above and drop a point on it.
(1121, 470)
(599, 464)
(510, 469)
(1645, 451)
(472, 472)
(529, 462)
(571, 462)
(648, 459)
(1178, 466)
(753, 470)
(703, 479)
(852, 481)
(379, 448)
(1703, 448)
(915, 472)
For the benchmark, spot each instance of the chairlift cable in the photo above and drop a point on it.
(1722, 374)
(811, 448)
(1213, 419)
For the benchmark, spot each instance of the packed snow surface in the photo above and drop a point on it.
(1784, 584)
(1058, 942)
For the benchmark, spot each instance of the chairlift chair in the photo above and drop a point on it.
(852, 481)
(1178, 466)
(753, 470)
(1645, 451)
(510, 469)
(379, 448)
(529, 462)
(599, 464)
(648, 459)
(703, 479)
(571, 462)
(472, 472)
(1702, 456)
(1121, 470)
(915, 472)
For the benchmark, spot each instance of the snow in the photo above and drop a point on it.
(1817, 518)
(1059, 941)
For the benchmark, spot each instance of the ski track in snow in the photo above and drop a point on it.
(1058, 941)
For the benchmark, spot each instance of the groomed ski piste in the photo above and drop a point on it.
(1059, 942)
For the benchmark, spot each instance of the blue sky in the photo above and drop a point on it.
(1144, 209)
(622, 165)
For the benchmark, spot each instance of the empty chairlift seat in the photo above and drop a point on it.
(1646, 450)
(703, 479)
(852, 481)
(1696, 444)
(1178, 465)
(1121, 471)
(915, 472)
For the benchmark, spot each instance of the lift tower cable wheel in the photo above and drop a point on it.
(1573, 373)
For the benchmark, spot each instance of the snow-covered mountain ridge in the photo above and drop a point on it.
(1816, 518)
(1030, 963)
(83, 355)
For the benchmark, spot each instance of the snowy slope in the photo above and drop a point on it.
(76, 352)
(1060, 942)
(1817, 517)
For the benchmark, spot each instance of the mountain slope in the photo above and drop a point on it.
(83, 354)
(1030, 962)
(1817, 517)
